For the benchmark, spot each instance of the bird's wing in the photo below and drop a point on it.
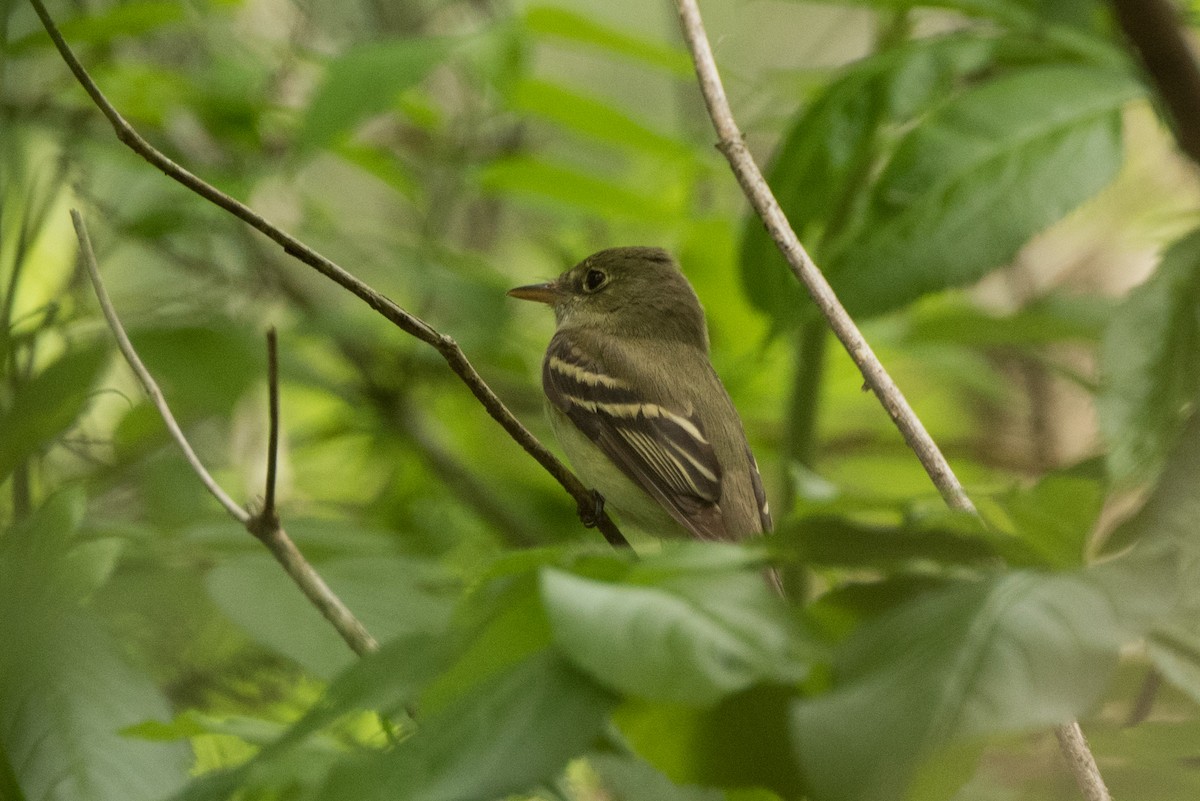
(662, 450)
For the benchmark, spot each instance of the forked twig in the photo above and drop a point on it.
(270, 533)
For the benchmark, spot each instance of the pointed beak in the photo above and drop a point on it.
(539, 293)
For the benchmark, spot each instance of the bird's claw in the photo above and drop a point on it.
(591, 517)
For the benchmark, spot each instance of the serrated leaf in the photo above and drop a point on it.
(824, 160)
(692, 641)
(364, 81)
(1017, 652)
(1150, 364)
(47, 406)
(969, 186)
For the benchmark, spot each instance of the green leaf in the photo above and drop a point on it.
(502, 738)
(692, 639)
(131, 19)
(47, 406)
(556, 185)
(202, 371)
(552, 21)
(1056, 516)
(824, 160)
(1048, 319)
(592, 117)
(839, 541)
(364, 81)
(390, 595)
(1018, 652)
(1150, 364)
(632, 780)
(970, 185)
(66, 694)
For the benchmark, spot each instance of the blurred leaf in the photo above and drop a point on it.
(741, 742)
(1017, 652)
(840, 541)
(364, 81)
(563, 24)
(391, 596)
(1049, 319)
(202, 371)
(632, 780)
(504, 737)
(1150, 364)
(46, 406)
(691, 638)
(592, 117)
(1056, 516)
(969, 186)
(66, 693)
(102, 25)
(819, 170)
(557, 185)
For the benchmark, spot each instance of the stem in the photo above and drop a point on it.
(800, 434)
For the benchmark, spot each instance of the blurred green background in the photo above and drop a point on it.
(984, 181)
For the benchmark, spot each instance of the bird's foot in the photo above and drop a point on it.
(591, 515)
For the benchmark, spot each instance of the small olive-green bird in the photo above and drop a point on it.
(636, 404)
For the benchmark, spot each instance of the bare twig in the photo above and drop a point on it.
(409, 323)
(268, 511)
(754, 185)
(731, 144)
(271, 534)
(1154, 29)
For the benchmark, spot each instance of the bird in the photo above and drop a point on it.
(634, 400)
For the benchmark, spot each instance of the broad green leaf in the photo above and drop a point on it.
(1049, 319)
(840, 541)
(695, 639)
(632, 780)
(502, 738)
(1056, 516)
(66, 693)
(560, 23)
(1150, 364)
(45, 407)
(969, 186)
(824, 162)
(556, 185)
(101, 26)
(1017, 652)
(390, 595)
(364, 81)
(592, 117)
(202, 371)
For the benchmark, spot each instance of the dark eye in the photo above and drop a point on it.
(594, 279)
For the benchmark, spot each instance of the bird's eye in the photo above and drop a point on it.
(594, 279)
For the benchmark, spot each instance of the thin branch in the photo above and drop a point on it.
(272, 535)
(732, 145)
(268, 510)
(1155, 31)
(409, 323)
(754, 185)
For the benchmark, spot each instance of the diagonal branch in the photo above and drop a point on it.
(754, 185)
(730, 142)
(409, 323)
(267, 530)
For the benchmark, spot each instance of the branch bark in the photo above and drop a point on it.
(265, 527)
(1153, 29)
(409, 323)
(730, 142)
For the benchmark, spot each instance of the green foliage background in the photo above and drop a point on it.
(982, 180)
